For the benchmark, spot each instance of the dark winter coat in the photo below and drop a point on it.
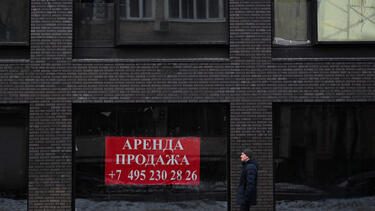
(247, 189)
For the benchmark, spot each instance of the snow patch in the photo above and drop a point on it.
(89, 205)
(289, 187)
(352, 204)
(11, 205)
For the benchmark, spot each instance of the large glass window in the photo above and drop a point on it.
(156, 22)
(13, 157)
(291, 22)
(335, 21)
(14, 22)
(95, 22)
(351, 20)
(324, 156)
(94, 125)
(175, 22)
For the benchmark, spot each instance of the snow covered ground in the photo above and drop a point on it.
(289, 187)
(83, 204)
(12, 205)
(353, 204)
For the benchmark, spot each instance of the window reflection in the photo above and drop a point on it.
(352, 20)
(324, 152)
(291, 22)
(14, 18)
(207, 121)
(13, 156)
(150, 22)
(95, 20)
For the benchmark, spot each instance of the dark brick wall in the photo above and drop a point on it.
(249, 80)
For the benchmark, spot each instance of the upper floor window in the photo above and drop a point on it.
(14, 21)
(290, 22)
(305, 22)
(111, 23)
(352, 20)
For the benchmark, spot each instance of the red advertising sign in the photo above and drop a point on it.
(152, 160)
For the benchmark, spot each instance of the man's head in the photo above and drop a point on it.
(246, 155)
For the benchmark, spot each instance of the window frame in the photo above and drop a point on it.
(312, 30)
(221, 8)
(27, 23)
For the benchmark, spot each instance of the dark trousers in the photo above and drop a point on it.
(245, 207)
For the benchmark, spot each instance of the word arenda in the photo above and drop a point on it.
(157, 175)
(127, 159)
(153, 144)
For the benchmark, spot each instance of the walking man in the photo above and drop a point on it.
(247, 189)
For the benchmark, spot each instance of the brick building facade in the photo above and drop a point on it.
(250, 80)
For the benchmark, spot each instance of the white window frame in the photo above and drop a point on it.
(221, 17)
(141, 15)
